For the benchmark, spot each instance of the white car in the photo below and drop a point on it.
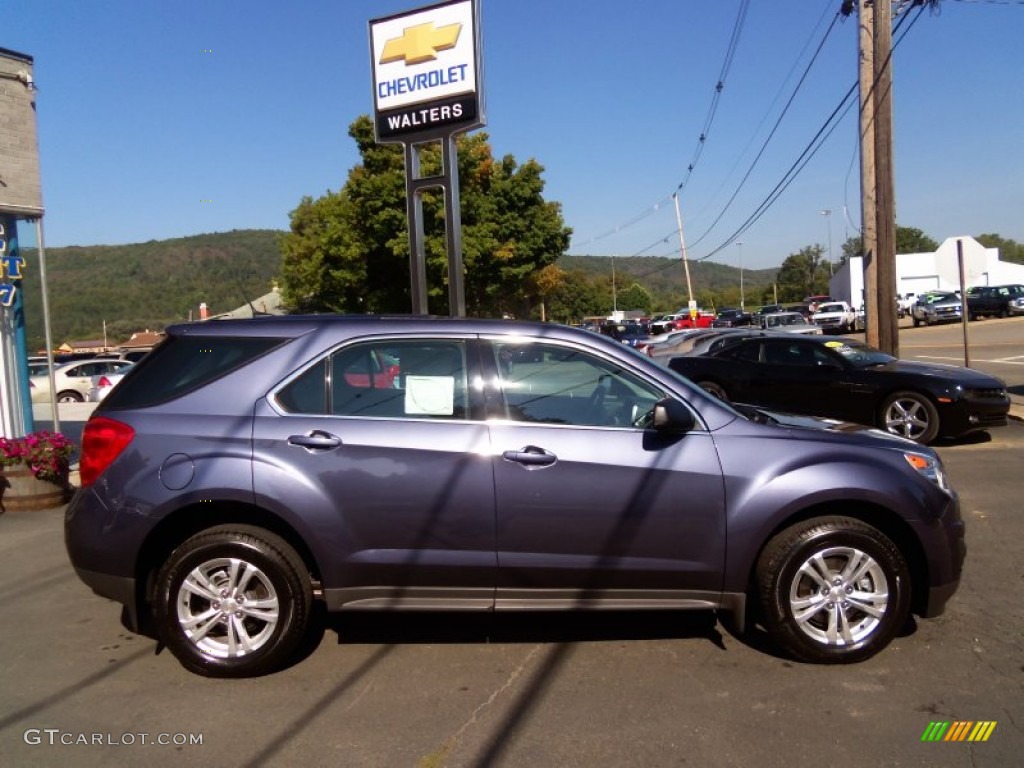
(73, 380)
(105, 382)
(789, 322)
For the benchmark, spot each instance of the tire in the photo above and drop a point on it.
(915, 321)
(909, 414)
(715, 389)
(69, 396)
(204, 602)
(833, 590)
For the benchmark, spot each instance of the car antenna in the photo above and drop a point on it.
(241, 290)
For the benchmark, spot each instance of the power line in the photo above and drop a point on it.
(771, 134)
(809, 151)
(709, 119)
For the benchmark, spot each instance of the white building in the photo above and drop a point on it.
(940, 270)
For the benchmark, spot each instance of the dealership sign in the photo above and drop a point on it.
(427, 72)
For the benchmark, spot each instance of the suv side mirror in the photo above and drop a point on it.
(672, 416)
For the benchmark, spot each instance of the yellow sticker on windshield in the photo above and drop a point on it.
(834, 344)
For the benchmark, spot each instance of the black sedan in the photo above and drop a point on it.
(846, 379)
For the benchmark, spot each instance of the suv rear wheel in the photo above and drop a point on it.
(833, 590)
(233, 601)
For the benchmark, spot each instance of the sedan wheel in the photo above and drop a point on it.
(70, 396)
(909, 414)
(233, 601)
(833, 590)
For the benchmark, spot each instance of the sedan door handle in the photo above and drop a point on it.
(531, 456)
(316, 440)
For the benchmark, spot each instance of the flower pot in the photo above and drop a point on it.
(21, 490)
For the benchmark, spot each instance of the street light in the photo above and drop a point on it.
(739, 247)
(827, 213)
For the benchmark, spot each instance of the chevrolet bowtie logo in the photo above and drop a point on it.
(420, 43)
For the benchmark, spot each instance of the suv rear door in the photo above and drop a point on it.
(388, 471)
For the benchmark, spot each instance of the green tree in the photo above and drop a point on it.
(348, 251)
(634, 297)
(1009, 250)
(803, 274)
(908, 240)
(578, 296)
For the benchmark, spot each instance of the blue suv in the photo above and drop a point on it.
(244, 470)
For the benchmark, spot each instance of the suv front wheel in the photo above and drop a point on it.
(833, 590)
(233, 601)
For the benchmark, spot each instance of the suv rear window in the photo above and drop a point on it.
(184, 363)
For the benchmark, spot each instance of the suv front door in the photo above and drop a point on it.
(591, 505)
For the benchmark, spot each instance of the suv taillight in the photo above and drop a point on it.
(103, 440)
(103, 382)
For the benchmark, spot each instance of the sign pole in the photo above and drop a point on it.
(428, 88)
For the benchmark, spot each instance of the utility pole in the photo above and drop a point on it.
(739, 246)
(885, 204)
(869, 243)
(682, 247)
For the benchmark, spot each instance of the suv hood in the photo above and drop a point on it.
(815, 426)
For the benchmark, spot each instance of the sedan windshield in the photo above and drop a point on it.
(859, 355)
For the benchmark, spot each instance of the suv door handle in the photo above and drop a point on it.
(531, 456)
(316, 440)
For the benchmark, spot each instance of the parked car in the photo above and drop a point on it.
(835, 317)
(789, 322)
(992, 300)
(732, 318)
(38, 365)
(73, 380)
(104, 382)
(663, 324)
(683, 343)
(709, 343)
(936, 307)
(630, 334)
(1016, 306)
(234, 477)
(682, 320)
(132, 355)
(846, 379)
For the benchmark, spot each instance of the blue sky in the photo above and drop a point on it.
(165, 119)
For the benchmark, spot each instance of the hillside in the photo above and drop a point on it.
(665, 279)
(153, 284)
(145, 285)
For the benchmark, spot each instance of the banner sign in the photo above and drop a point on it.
(427, 72)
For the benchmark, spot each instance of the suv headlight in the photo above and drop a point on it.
(929, 467)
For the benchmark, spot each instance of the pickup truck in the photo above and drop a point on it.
(994, 300)
(836, 317)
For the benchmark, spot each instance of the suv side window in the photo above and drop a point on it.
(388, 378)
(183, 364)
(549, 384)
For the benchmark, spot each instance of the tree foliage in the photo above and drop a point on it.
(908, 240)
(145, 285)
(1009, 250)
(803, 274)
(348, 251)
